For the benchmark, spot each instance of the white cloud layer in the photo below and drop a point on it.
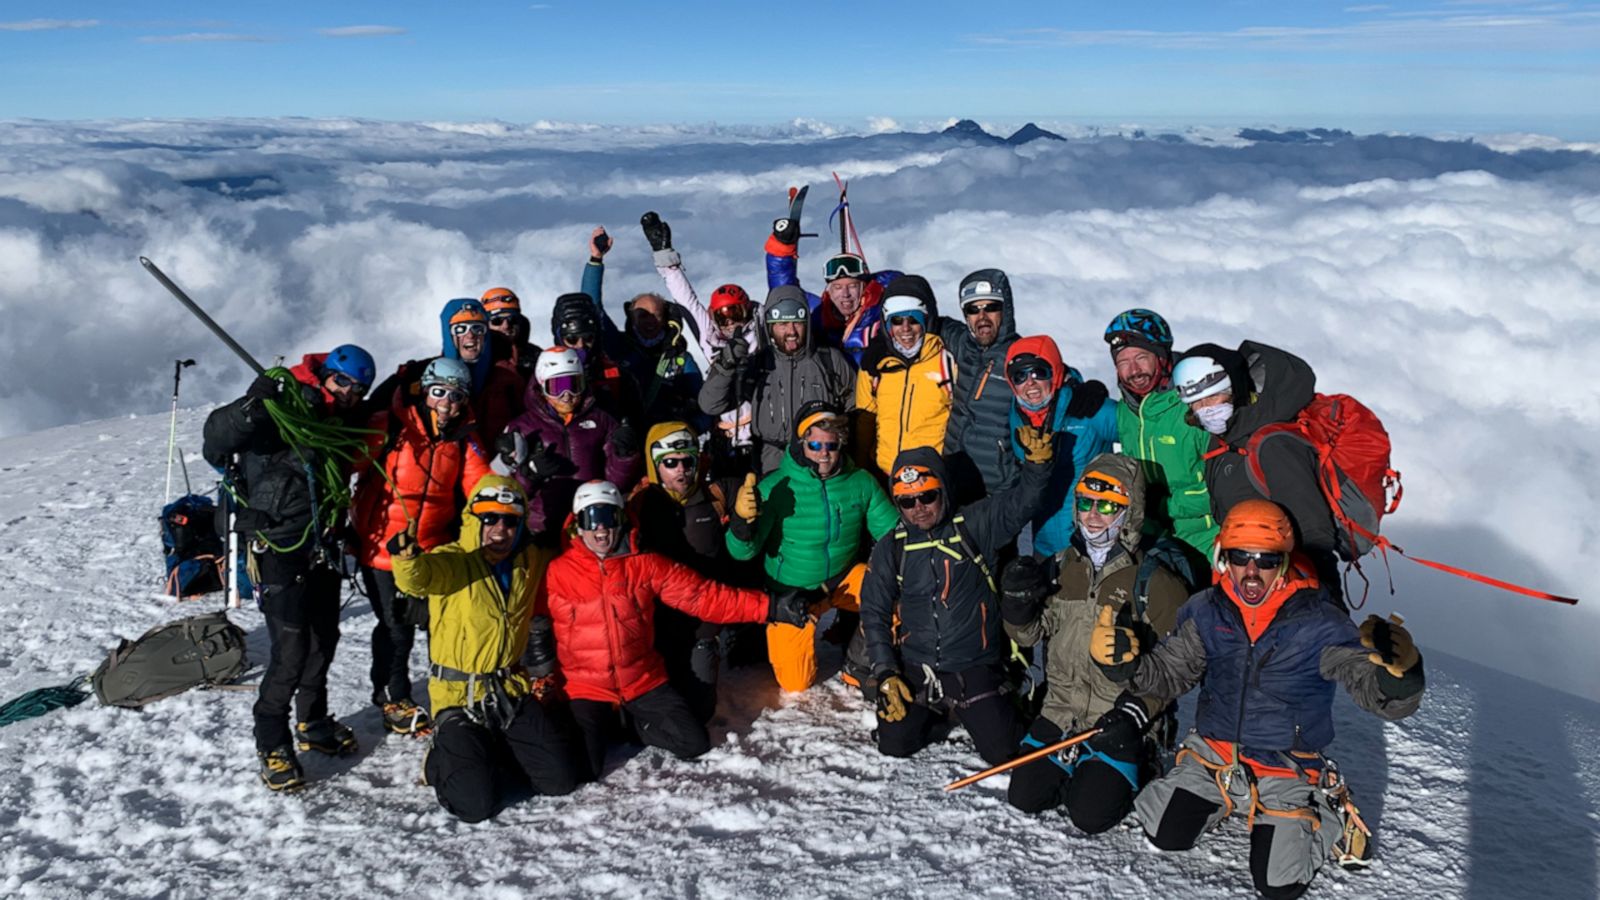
(357, 31)
(1455, 288)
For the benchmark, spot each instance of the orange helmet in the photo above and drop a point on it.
(914, 479)
(496, 299)
(1256, 525)
(1101, 486)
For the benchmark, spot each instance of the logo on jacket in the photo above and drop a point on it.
(588, 423)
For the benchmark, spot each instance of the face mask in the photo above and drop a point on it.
(1099, 543)
(910, 351)
(1035, 407)
(1215, 418)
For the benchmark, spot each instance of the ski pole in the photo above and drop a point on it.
(201, 314)
(178, 365)
(1008, 766)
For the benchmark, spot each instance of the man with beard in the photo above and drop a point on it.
(977, 441)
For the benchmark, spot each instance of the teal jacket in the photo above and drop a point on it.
(810, 529)
(1158, 434)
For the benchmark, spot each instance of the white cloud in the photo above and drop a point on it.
(204, 37)
(882, 125)
(357, 31)
(48, 24)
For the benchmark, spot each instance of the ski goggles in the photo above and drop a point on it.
(845, 265)
(491, 520)
(1264, 559)
(444, 392)
(1103, 507)
(564, 385)
(979, 307)
(461, 328)
(493, 500)
(601, 515)
(347, 383)
(1035, 369)
(912, 501)
(821, 446)
(737, 314)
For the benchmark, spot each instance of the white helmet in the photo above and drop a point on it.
(555, 362)
(596, 493)
(1198, 377)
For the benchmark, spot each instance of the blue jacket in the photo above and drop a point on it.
(783, 270)
(1084, 439)
(482, 366)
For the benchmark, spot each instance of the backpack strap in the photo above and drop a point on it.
(952, 548)
(719, 501)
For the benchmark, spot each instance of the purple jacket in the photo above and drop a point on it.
(584, 445)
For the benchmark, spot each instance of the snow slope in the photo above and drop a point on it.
(1491, 791)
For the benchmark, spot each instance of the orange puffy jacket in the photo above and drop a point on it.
(603, 613)
(431, 477)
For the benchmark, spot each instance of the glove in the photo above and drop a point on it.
(510, 453)
(540, 657)
(747, 505)
(705, 658)
(541, 462)
(731, 355)
(1087, 398)
(1038, 445)
(1395, 654)
(625, 440)
(894, 695)
(1023, 586)
(412, 610)
(1112, 644)
(657, 232)
(404, 544)
(265, 387)
(1122, 728)
(791, 606)
(599, 243)
(786, 231)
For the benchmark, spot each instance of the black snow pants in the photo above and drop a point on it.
(657, 718)
(473, 767)
(301, 603)
(982, 701)
(392, 639)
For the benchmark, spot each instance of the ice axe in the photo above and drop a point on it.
(178, 365)
(1008, 766)
(200, 314)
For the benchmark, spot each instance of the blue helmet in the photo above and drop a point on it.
(1140, 328)
(352, 362)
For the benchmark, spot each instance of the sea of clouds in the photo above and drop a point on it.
(1452, 284)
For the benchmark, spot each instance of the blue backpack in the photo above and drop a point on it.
(192, 546)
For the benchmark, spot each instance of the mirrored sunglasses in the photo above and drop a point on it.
(1103, 507)
(461, 328)
(1264, 559)
(733, 315)
(348, 383)
(819, 446)
(444, 392)
(1020, 375)
(599, 516)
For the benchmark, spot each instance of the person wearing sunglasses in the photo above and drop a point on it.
(509, 331)
(789, 372)
(576, 323)
(680, 511)
(1057, 602)
(496, 730)
(601, 594)
(1153, 427)
(978, 435)
(930, 613)
(805, 521)
(421, 453)
(903, 391)
(846, 316)
(1232, 395)
(295, 557)
(1267, 646)
(1049, 394)
(567, 438)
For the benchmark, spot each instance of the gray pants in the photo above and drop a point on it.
(1285, 851)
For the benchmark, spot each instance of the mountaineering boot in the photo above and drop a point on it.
(406, 717)
(326, 736)
(280, 770)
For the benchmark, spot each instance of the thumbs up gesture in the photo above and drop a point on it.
(1391, 644)
(747, 505)
(1113, 644)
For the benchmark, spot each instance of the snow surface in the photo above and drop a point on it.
(1490, 791)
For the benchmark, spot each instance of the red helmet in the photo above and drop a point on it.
(728, 295)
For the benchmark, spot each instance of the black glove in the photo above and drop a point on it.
(404, 544)
(263, 388)
(1122, 728)
(540, 657)
(1087, 398)
(625, 440)
(705, 658)
(510, 452)
(791, 606)
(732, 354)
(541, 464)
(1023, 586)
(411, 610)
(787, 231)
(657, 232)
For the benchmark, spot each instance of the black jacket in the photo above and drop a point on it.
(949, 609)
(692, 532)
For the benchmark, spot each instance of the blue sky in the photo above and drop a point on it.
(1440, 64)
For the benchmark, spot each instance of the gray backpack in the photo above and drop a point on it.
(170, 659)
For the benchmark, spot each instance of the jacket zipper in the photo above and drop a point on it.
(611, 630)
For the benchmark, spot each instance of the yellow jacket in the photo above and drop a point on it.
(908, 403)
(474, 624)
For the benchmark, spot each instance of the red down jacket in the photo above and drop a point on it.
(603, 613)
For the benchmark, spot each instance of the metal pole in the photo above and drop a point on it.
(201, 314)
(178, 365)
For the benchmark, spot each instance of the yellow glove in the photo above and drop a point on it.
(747, 505)
(1038, 445)
(1391, 644)
(1111, 644)
(893, 697)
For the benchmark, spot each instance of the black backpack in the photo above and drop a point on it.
(170, 659)
(192, 545)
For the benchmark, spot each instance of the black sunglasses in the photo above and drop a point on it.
(911, 501)
(1019, 375)
(348, 383)
(490, 520)
(992, 306)
(1264, 559)
(672, 462)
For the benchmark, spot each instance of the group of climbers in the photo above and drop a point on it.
(578, 527)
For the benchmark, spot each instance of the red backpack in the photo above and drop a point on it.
(1353, 471)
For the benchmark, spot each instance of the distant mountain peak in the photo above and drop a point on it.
(1032, 132)
(967, 128)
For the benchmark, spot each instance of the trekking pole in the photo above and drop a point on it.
(231, 571)
(1008, 766)
(201, 314)
(178, 365)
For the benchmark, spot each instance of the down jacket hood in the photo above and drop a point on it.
(1045, 348)
(471, 529)
(447, 348)
(928, 458)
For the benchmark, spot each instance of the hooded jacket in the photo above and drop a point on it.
(691, 529)
(981, 403)
(1079, 439)
(905, 402)
(667, 377)
(583, 442)
(497, 391)
(809, 529)
(603, 616)
(850, 336)
(1278, 385)
(411, 471)
(1078, 692)
(945, 601)
(277, 497)
(779, 384)
(1272, 692)
(1157, 432)
(669, 265)
(474, 624)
